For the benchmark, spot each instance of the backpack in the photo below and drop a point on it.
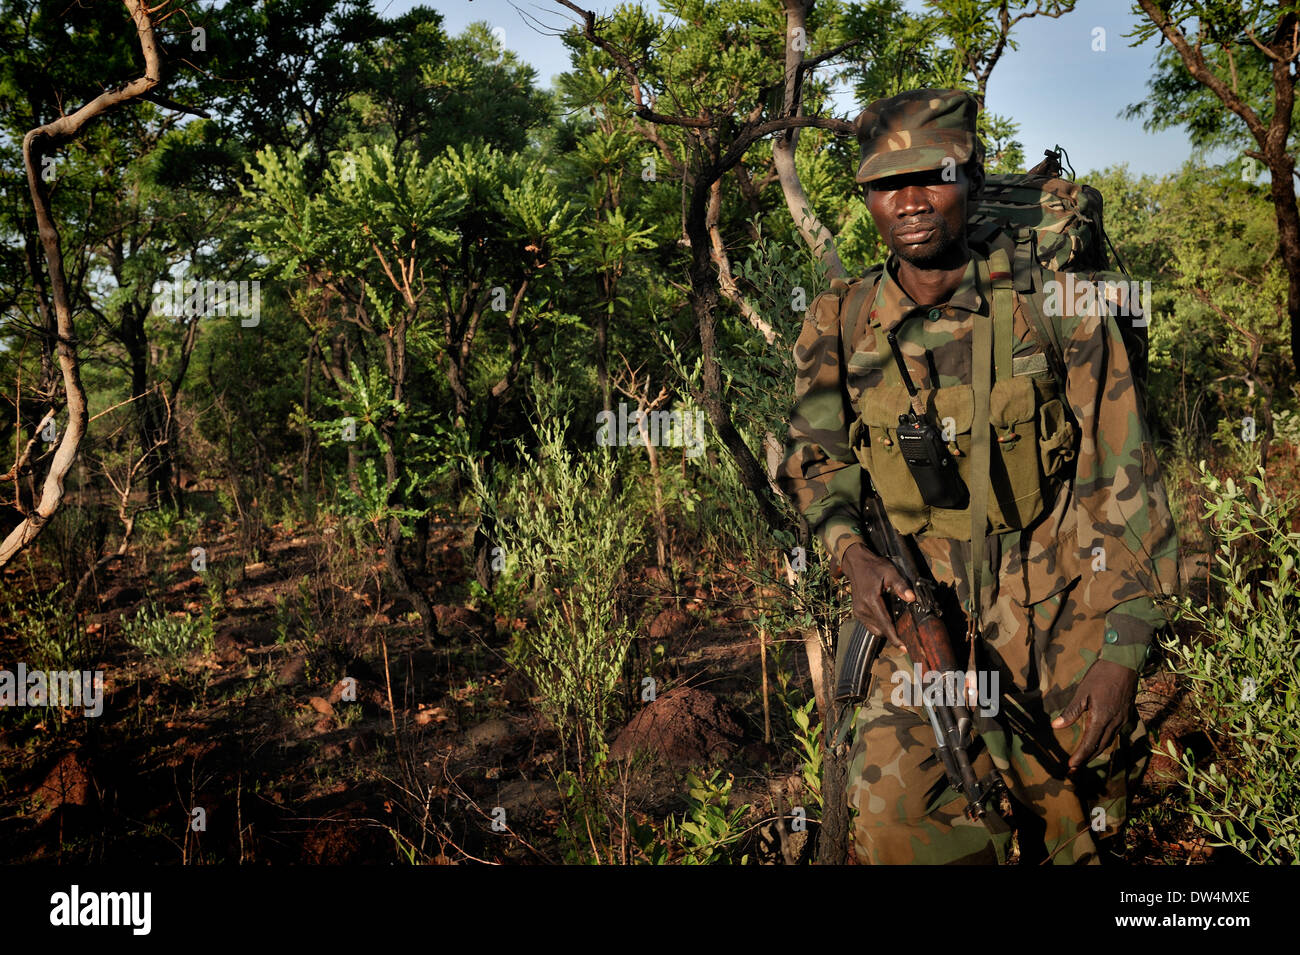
(1041, 215)
(1065, 216)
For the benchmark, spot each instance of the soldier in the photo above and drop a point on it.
(1078, 537)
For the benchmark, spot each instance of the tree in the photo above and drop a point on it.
(1232, 40)
(39, 144)
(421, 260)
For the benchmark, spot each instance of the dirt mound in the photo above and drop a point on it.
(462, 621)
(671, 624)
(684, 727)
(67, 784)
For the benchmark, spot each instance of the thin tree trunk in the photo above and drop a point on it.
(50, 135)
(1282, 50)
(306, 422)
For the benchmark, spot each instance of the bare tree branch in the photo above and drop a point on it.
(727, 281)
(49, 135)
(810, 227)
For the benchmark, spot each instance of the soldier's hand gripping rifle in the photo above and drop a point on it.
(921, 629)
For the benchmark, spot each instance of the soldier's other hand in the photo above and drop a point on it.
(1105, 693)
(870, 578)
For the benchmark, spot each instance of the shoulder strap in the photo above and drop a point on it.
(1024, 266)
(1002, 313)
(854, 302)
(984, 342)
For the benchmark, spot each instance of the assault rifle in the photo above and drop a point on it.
(921, 628)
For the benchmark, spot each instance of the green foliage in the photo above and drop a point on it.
(611, 242)
(169, 524)
(1176, 98)
(1238, 447)
(387, 179)
(787, 693)
(799, 719)
(1218, 293)
(372, 503)
(777, 284)
(427, 254)
(300, 621)
(1005, 154)
(710, 826)
(1286, 426)
(426, 90)
(169, 637)
(581, 812)
(971, 31)
(706, 833)
(807, 738)
(572, 538)
(899, 49)
(781, 285)
(1244, 675)
(47, 632)
(364, 401)
(505, 599)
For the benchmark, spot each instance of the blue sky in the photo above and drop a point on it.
(1055, 85)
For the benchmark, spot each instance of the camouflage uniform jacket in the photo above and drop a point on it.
(1109, 523)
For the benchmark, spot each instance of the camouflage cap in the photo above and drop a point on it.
(916, 131)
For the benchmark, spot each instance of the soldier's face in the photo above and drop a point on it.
(922, 215)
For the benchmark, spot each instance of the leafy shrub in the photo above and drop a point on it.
(710, 826)
(170, 638)
(1245, 675)
(168, 524)
(48, 633)
(807, 737)
(567, 533)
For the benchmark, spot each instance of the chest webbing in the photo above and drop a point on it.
(992, 341)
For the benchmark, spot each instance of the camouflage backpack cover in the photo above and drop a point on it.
(1065, 216)
(1043, 216)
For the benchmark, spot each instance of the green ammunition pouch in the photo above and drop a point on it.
(1033, 438)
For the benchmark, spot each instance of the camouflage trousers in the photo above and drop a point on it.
(905, 811)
